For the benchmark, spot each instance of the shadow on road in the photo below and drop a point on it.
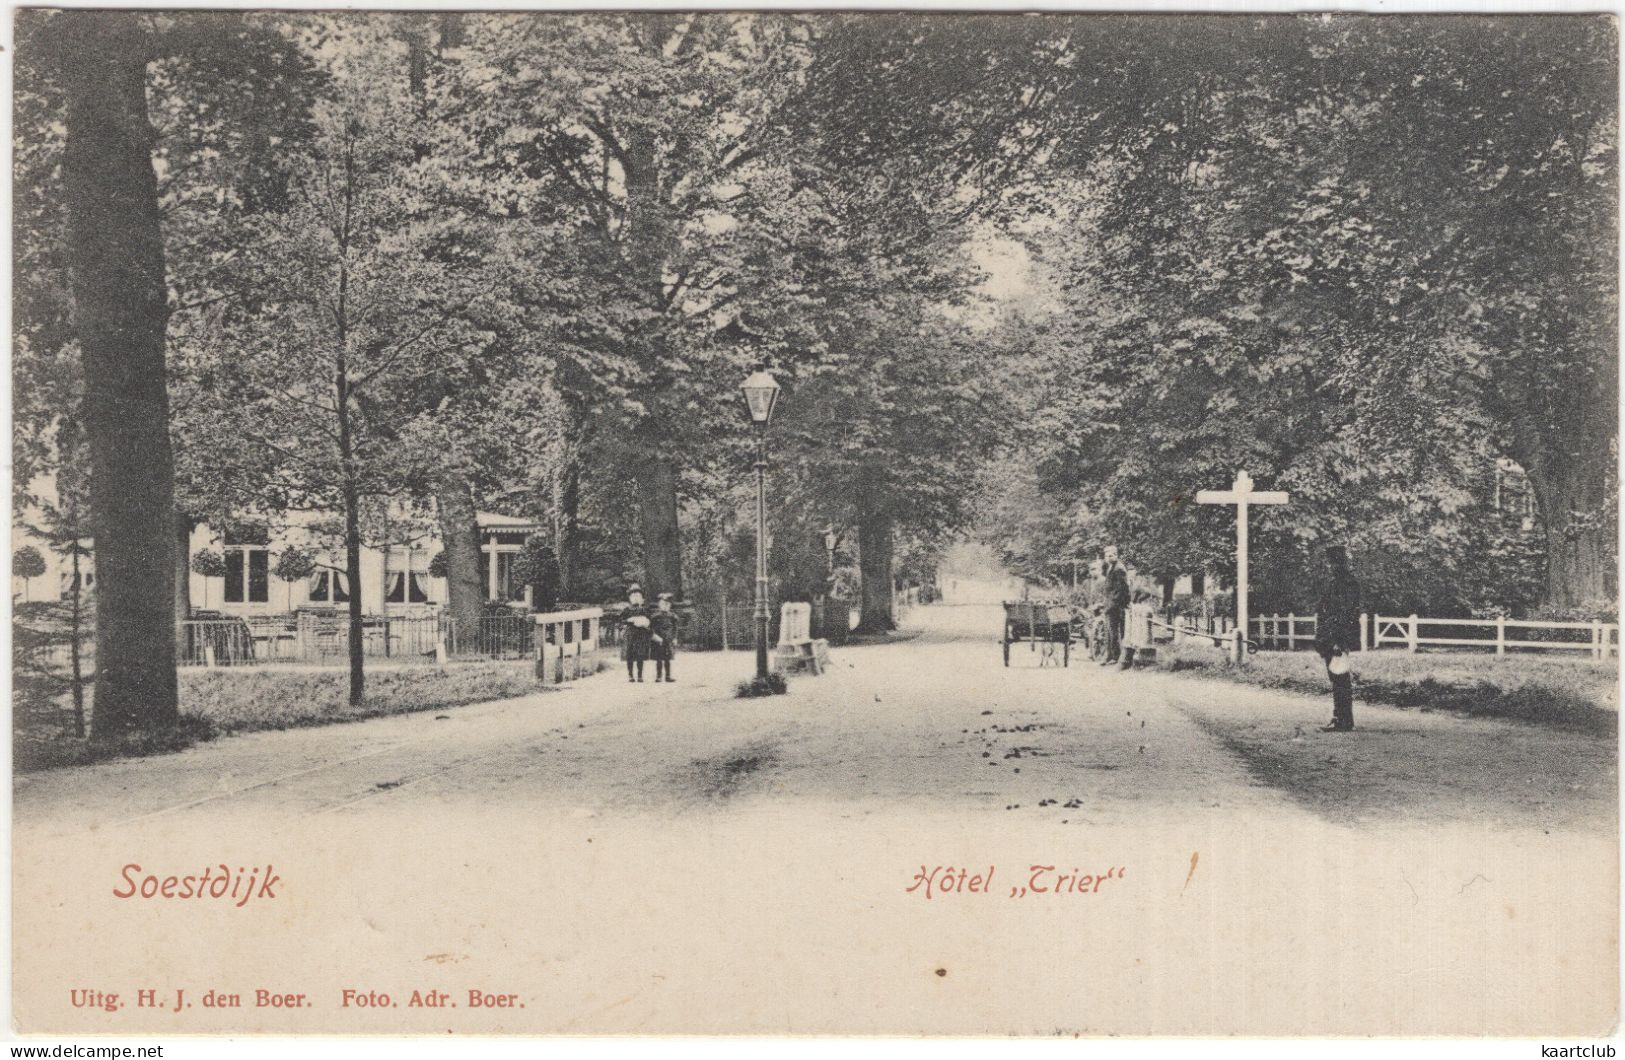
(1408, 768)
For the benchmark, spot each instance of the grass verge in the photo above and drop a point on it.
(1568, 693)
(224, 701)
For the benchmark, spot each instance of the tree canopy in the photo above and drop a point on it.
(463, 261)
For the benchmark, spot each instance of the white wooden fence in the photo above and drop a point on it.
(568, 642)
(1274, 631)
(1600, 640)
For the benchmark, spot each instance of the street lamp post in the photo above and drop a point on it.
(829, 621)
(761, 395)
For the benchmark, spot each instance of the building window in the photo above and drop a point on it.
(506, 587)
(248, 567)
(406, 576)
(329, 587)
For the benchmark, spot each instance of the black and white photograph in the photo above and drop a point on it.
(814, 522)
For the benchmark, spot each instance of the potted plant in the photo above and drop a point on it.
(210, 564)
(294, 564)
(27, 563)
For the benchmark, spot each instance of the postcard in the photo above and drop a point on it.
(817, 522)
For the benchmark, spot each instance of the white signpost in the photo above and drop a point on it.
(1241, 494)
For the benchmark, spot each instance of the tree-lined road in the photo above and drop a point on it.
(930, 724)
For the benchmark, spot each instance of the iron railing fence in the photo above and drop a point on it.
(495, 637)
(320, 639)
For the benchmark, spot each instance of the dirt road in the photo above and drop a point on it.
(933, 723)
(621, 857)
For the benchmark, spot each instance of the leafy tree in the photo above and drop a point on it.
(92, 213)
(223, 119)
(62, 523)
(27, 563)
(1034, 533)
(208, 563)
(635, 145)
(355, 305)
(895, 439)
(706, 205)
(906, 382)
(1252, 275)
(294, 565)
(41, 631)
(475, 407)
(114, 253)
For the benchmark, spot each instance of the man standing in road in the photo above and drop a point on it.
(1337, 633)
(1117, 597)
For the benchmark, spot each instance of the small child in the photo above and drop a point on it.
(663, 633)
(636, 617)
(1135, 630)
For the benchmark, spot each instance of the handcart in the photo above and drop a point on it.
(1038, 624)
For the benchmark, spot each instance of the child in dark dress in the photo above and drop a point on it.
(663, 633)
(636, 619)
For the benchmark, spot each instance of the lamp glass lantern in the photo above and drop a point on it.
(761, 395)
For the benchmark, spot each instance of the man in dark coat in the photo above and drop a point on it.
(663, 634)
(1337, 633)
(1117, 597)
(635, 620)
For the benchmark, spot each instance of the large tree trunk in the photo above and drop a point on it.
(566, 509)
(662, 547)
(350, 495)
(460, 536)
(120, 313)
(454, 498)
(183, 578)
(649, 242)
(1580, 569)
(76, 651)
(352, 574)
(875, 572)
(1568, 450)
(1573, 495)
